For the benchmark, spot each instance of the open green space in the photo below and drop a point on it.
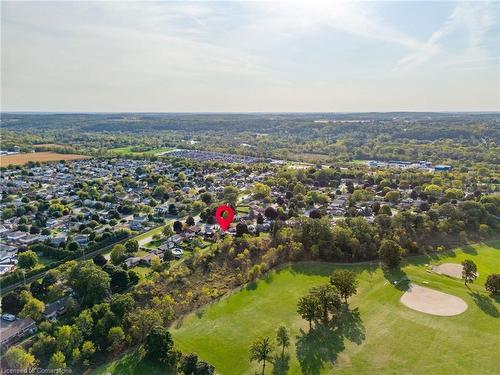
(150, 233)
(142, 271)
(154, 244)
(129, 151)
(243, 209)
(44, 261)
(359, 161)
(380, 336)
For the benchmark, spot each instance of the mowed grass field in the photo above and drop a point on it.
(128, 151)
(23, 158)
(383, 336)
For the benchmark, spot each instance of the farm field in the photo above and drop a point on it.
(380, 336)
(42, 157)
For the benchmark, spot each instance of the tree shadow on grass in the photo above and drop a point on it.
(128, 363)
(495, 297)
(468, 249)
(417, 260)
(485, 303)
(322, 343)
(179, 322)
(269, 278)
(281, 364)
(135, 363)
(350, 325)
(318, 346)
(397, 278)
(252, 285)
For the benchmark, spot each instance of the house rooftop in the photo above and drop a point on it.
(9, 330)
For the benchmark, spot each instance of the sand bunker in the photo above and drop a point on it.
(431, 301)
(449, 269)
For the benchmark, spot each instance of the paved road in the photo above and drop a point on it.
(145, 240)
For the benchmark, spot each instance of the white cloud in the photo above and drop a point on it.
(351, 17)
(475, 18)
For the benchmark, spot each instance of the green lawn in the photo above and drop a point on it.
(358, 161)
(243, 209)
(142, 271)
(381, 336)
(128, 151)
(132, 363)
(150, 233)
(154, 244)
(44, 261)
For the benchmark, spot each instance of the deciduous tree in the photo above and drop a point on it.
(99, 260)
(390, 253)
(12, 303)
(27, 259)
(17, 358)
(261, 191)
(492, 284)
(188, 364)
(308, 308)
(328, 300)
(469, 271)
(132, 246)
(116, 337)
(345, 282)
(57, 361)
(230, 195)
(283, 338)
(117, 254)
(160, 347)
(261, 351)
(177, 226)
(33, 308)
(90, 282)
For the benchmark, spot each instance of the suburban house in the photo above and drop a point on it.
(132, 262)
(59, 239)
(146, 259)
(16, 236)
(3, 230)
(7, 252)
(54, 309)
(137, 222)
(82, 239)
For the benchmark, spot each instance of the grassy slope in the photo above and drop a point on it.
(389, 337)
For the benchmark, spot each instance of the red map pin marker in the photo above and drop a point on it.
(224, 222)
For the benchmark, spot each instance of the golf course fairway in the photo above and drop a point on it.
(381, 336)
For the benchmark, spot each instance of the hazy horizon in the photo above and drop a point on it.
(250, 57)
(240, 112)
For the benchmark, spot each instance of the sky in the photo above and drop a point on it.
(251, 56)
